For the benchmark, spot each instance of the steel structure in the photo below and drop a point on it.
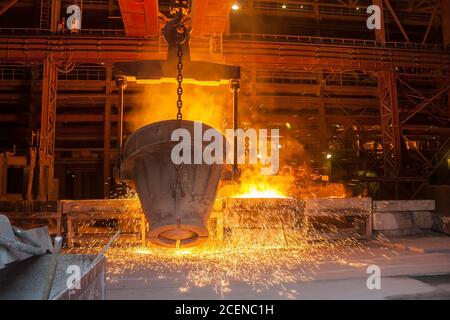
(378, 100)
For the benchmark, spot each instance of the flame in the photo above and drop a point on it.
(254, 185)
(261, 191)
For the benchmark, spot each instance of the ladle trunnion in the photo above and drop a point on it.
(176, 200)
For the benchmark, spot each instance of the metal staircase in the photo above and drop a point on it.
(45, 14)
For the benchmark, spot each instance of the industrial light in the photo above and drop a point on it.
(235, 6)
(329, 156)
(283, 6)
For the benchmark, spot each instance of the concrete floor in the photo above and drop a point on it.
(411, 268)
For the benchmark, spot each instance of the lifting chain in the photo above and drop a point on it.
(181, 37)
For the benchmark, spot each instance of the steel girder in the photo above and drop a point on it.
(47, 131)
(245, 50)
(428, 145)
(140, 17)
(390, 124)
(403, 107)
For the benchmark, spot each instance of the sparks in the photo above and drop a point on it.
(273, 252)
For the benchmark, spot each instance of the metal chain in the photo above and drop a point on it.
(180, 73)
(181, 38)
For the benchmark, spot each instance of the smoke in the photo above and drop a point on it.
(212, 105)
(208, 104)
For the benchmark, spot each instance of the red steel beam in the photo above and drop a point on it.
(210, 17)
(380, 34)
(445, 14)
(397, 21)
(390, 124)
(425, 103)
(251, 50)
(236, 52)
(83, 49)
(140, 17)
(7, 5)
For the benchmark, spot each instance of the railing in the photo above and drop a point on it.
(84, 73)
(23, 31)
(284, 7)
(334, 9)
(333, 41)
(343, 11)
(301, 39)
(37, 31)
(65, 3)
(243, 37)
(103, 32)
(14, 73)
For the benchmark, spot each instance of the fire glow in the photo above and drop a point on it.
(261, 192)
(254, 185)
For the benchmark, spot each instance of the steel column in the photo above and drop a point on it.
(235, 87)
(36, 98)
(107, 134)
(47, 132)
(396, 19)
(121, 83)
(390, 124)
(55, 14)
(7, 5)
(322, 113)
(445, 14)
(380, 34)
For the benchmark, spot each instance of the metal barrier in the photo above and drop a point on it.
(38, 31)
(332, 41)
(244, 37)
(14, 73)
(84, 73)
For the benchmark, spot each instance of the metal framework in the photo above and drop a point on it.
(47, 134)
(381, 103)
(390, 124)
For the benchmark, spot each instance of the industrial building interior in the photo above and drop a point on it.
(90, 91)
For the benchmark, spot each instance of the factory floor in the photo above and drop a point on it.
(410, 267)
